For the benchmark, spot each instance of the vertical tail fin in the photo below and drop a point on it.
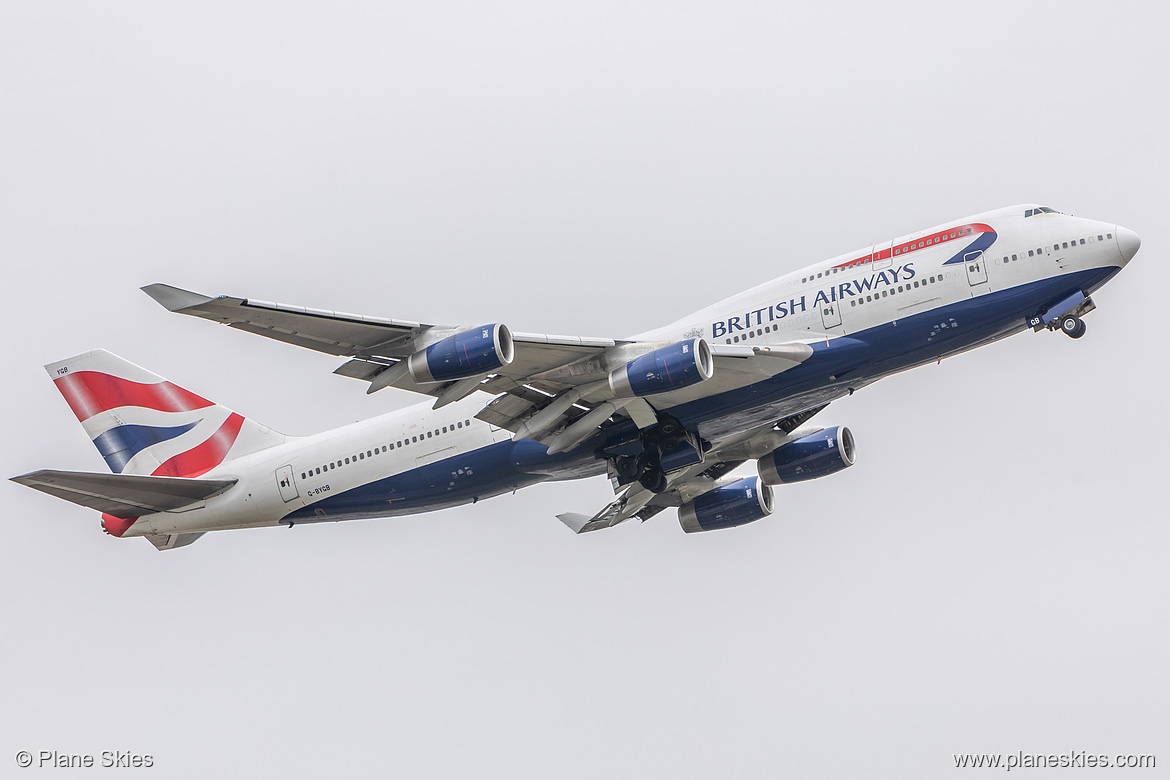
(143, 424)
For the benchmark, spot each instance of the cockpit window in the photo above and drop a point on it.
(1040, 210)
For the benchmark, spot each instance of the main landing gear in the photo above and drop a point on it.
(665, 447)
(1072, 326)
(645, 469)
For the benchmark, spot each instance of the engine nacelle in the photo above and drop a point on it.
(667, 368)
(816, 455)
(743, 501)
(466, 354)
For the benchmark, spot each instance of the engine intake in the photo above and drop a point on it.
(816, 455)
(667, 368)
(467, 354)
(741, 502)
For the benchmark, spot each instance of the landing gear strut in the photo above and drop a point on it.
(1072, 326)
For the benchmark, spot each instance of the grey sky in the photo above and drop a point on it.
(990, 576)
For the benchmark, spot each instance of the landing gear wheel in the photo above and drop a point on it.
(669, 443)
(1073, 327)
(627, 468)
(653, 480)
(650, 474)
(668, 427)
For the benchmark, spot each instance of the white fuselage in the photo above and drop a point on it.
(1016, 263)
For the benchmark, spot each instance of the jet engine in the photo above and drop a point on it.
(667, 368)
(463, 355)
(816, 455)
(743, 501)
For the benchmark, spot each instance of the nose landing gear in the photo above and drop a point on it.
(1072, 326)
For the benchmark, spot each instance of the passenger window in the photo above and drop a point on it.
(414, 439)
(303, 475)
(1082, 242)
(1100, 238)
(883, 293)
(1108, 235)
(1013, 258)
(1056, 247)
(361, 456)
(1066, 245)
(1030, 253)
(444, 429)
(347, 460)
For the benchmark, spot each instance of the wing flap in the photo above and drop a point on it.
(123, 495)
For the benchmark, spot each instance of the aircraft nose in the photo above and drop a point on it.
(1128, 242)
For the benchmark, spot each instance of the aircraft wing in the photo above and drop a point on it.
(554, 391)
(373, 342)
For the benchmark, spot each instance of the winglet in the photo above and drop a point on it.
(174, 299)
(574, 520)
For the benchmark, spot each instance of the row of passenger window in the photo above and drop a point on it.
(384, 448)
(806, 279)
(901, 288)
(932, 240)
(751, 334)
(1057, 247)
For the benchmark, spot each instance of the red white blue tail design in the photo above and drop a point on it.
(143, 424)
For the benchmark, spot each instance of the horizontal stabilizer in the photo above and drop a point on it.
(124, 495)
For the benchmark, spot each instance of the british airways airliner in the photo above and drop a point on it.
(667, 414)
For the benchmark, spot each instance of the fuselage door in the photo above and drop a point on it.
(976, 268)
(831, 314)
(288, 487)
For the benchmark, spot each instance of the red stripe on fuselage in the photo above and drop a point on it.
(203, 458)
(906, 247)
(92, 392)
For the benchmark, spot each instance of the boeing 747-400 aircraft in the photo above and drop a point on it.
(667, 414)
